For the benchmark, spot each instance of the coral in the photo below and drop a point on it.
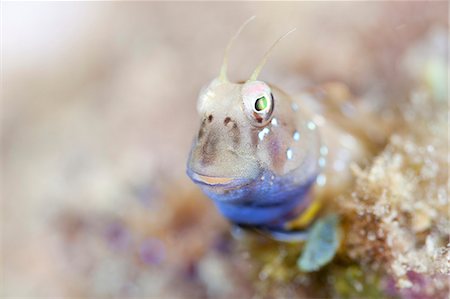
(397, 213)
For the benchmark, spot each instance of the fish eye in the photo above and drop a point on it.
(258, 102)
(261, 104)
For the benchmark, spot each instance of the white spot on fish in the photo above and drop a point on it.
(323, 150)
(274, 122)
(296, 136)
(272, 178)
(289, 154)
(311, 125)
(294, 106)
(262, 178)
(321, 180)
(263, 133)
(322, 162)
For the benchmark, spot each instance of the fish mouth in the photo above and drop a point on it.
(217, 181)
(212, 181)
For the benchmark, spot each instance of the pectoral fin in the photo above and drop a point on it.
(321, 245)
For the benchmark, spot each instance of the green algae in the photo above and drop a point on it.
(354, 282)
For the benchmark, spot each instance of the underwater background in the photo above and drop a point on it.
(99, 111)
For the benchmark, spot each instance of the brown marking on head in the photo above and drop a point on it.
(209, 149)
(236, 134)
(201, 131)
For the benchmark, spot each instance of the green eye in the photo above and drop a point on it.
(261, 104)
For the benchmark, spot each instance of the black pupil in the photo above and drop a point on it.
(261, 104)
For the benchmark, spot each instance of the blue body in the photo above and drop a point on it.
(264, 203)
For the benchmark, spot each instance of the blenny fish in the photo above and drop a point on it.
(259, 152)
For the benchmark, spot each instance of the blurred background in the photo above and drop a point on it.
(99, 110)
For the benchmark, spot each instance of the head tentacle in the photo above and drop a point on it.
(263, 61)
(223, 70)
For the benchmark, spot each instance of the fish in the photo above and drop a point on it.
(266, 158)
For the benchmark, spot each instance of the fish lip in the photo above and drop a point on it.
(211, 180)
(215, 181)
